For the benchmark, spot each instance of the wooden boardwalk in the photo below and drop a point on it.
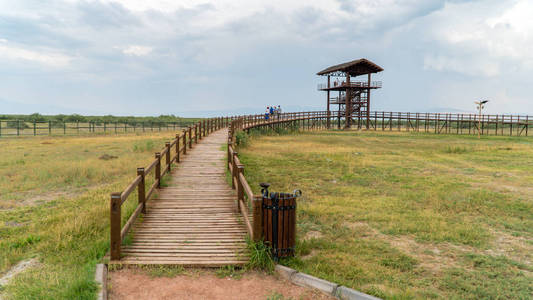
(193, 221)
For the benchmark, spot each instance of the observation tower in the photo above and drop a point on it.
(353, 97)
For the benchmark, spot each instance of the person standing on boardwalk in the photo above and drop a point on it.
(267, 112)
(279, 111)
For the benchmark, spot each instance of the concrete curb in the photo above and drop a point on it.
(100, 276)
(332, 289)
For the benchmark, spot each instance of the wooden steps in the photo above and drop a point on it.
(194, 221)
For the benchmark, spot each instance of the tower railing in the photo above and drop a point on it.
(352, 84)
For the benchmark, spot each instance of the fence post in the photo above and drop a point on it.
(228, 155)
(18, 127)
(167, 156)
(158, 169)
(234, 169)
(141, 189)
(240, 189)
(115, 218)
(49, 127)
(195, 128)
(258, 218)
(184, 141)
(190, 137)
(200, 133)
(177, 148)
(527, 123)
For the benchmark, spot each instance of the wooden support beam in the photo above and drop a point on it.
(115, 219)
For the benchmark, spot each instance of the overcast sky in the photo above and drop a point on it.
(139, 57)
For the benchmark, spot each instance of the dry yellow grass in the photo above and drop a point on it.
(54, 206)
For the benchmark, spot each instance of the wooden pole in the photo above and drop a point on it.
(240, 189)
(167, 155)
(141, 190)
(257, 206)
(158, 169)
(177, 148)
(368, 103)
(234, 169)
(190, 137)
(348, 104)
(115, 217)
(196, 133)
(329, 113)
(184, 141)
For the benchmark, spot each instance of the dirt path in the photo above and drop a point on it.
(204, 284)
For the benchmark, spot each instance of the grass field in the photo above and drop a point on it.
(404, 215)
(54, 206)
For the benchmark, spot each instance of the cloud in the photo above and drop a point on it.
(467, 65)
(482, 39)
(248, 52)
(49, 59)
(135, 50)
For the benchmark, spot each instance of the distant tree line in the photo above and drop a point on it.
(21, 121)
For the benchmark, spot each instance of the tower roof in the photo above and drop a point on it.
(354, 68)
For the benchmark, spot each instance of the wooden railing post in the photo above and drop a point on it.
(141, 189)
(199, 130)
(177, 148)
(158, 169)
(115, 218)
(184, 141)
(196, 133)
(240, 188)
(167, 155)
(257, 215)
(228, 155)
(190, 137)
(234, 169)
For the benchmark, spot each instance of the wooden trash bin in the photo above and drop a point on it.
(279, 222)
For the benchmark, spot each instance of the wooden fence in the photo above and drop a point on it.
(449, 123)
(418, 122)
(160, 166)
(246, 200)
(439, 123)
(35, 128)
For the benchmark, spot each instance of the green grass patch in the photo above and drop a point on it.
(406, 215)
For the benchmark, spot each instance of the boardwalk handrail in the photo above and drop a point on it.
(245, 196)
(442, 122)
(170, 154)
(316, 119)
(449, 123)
